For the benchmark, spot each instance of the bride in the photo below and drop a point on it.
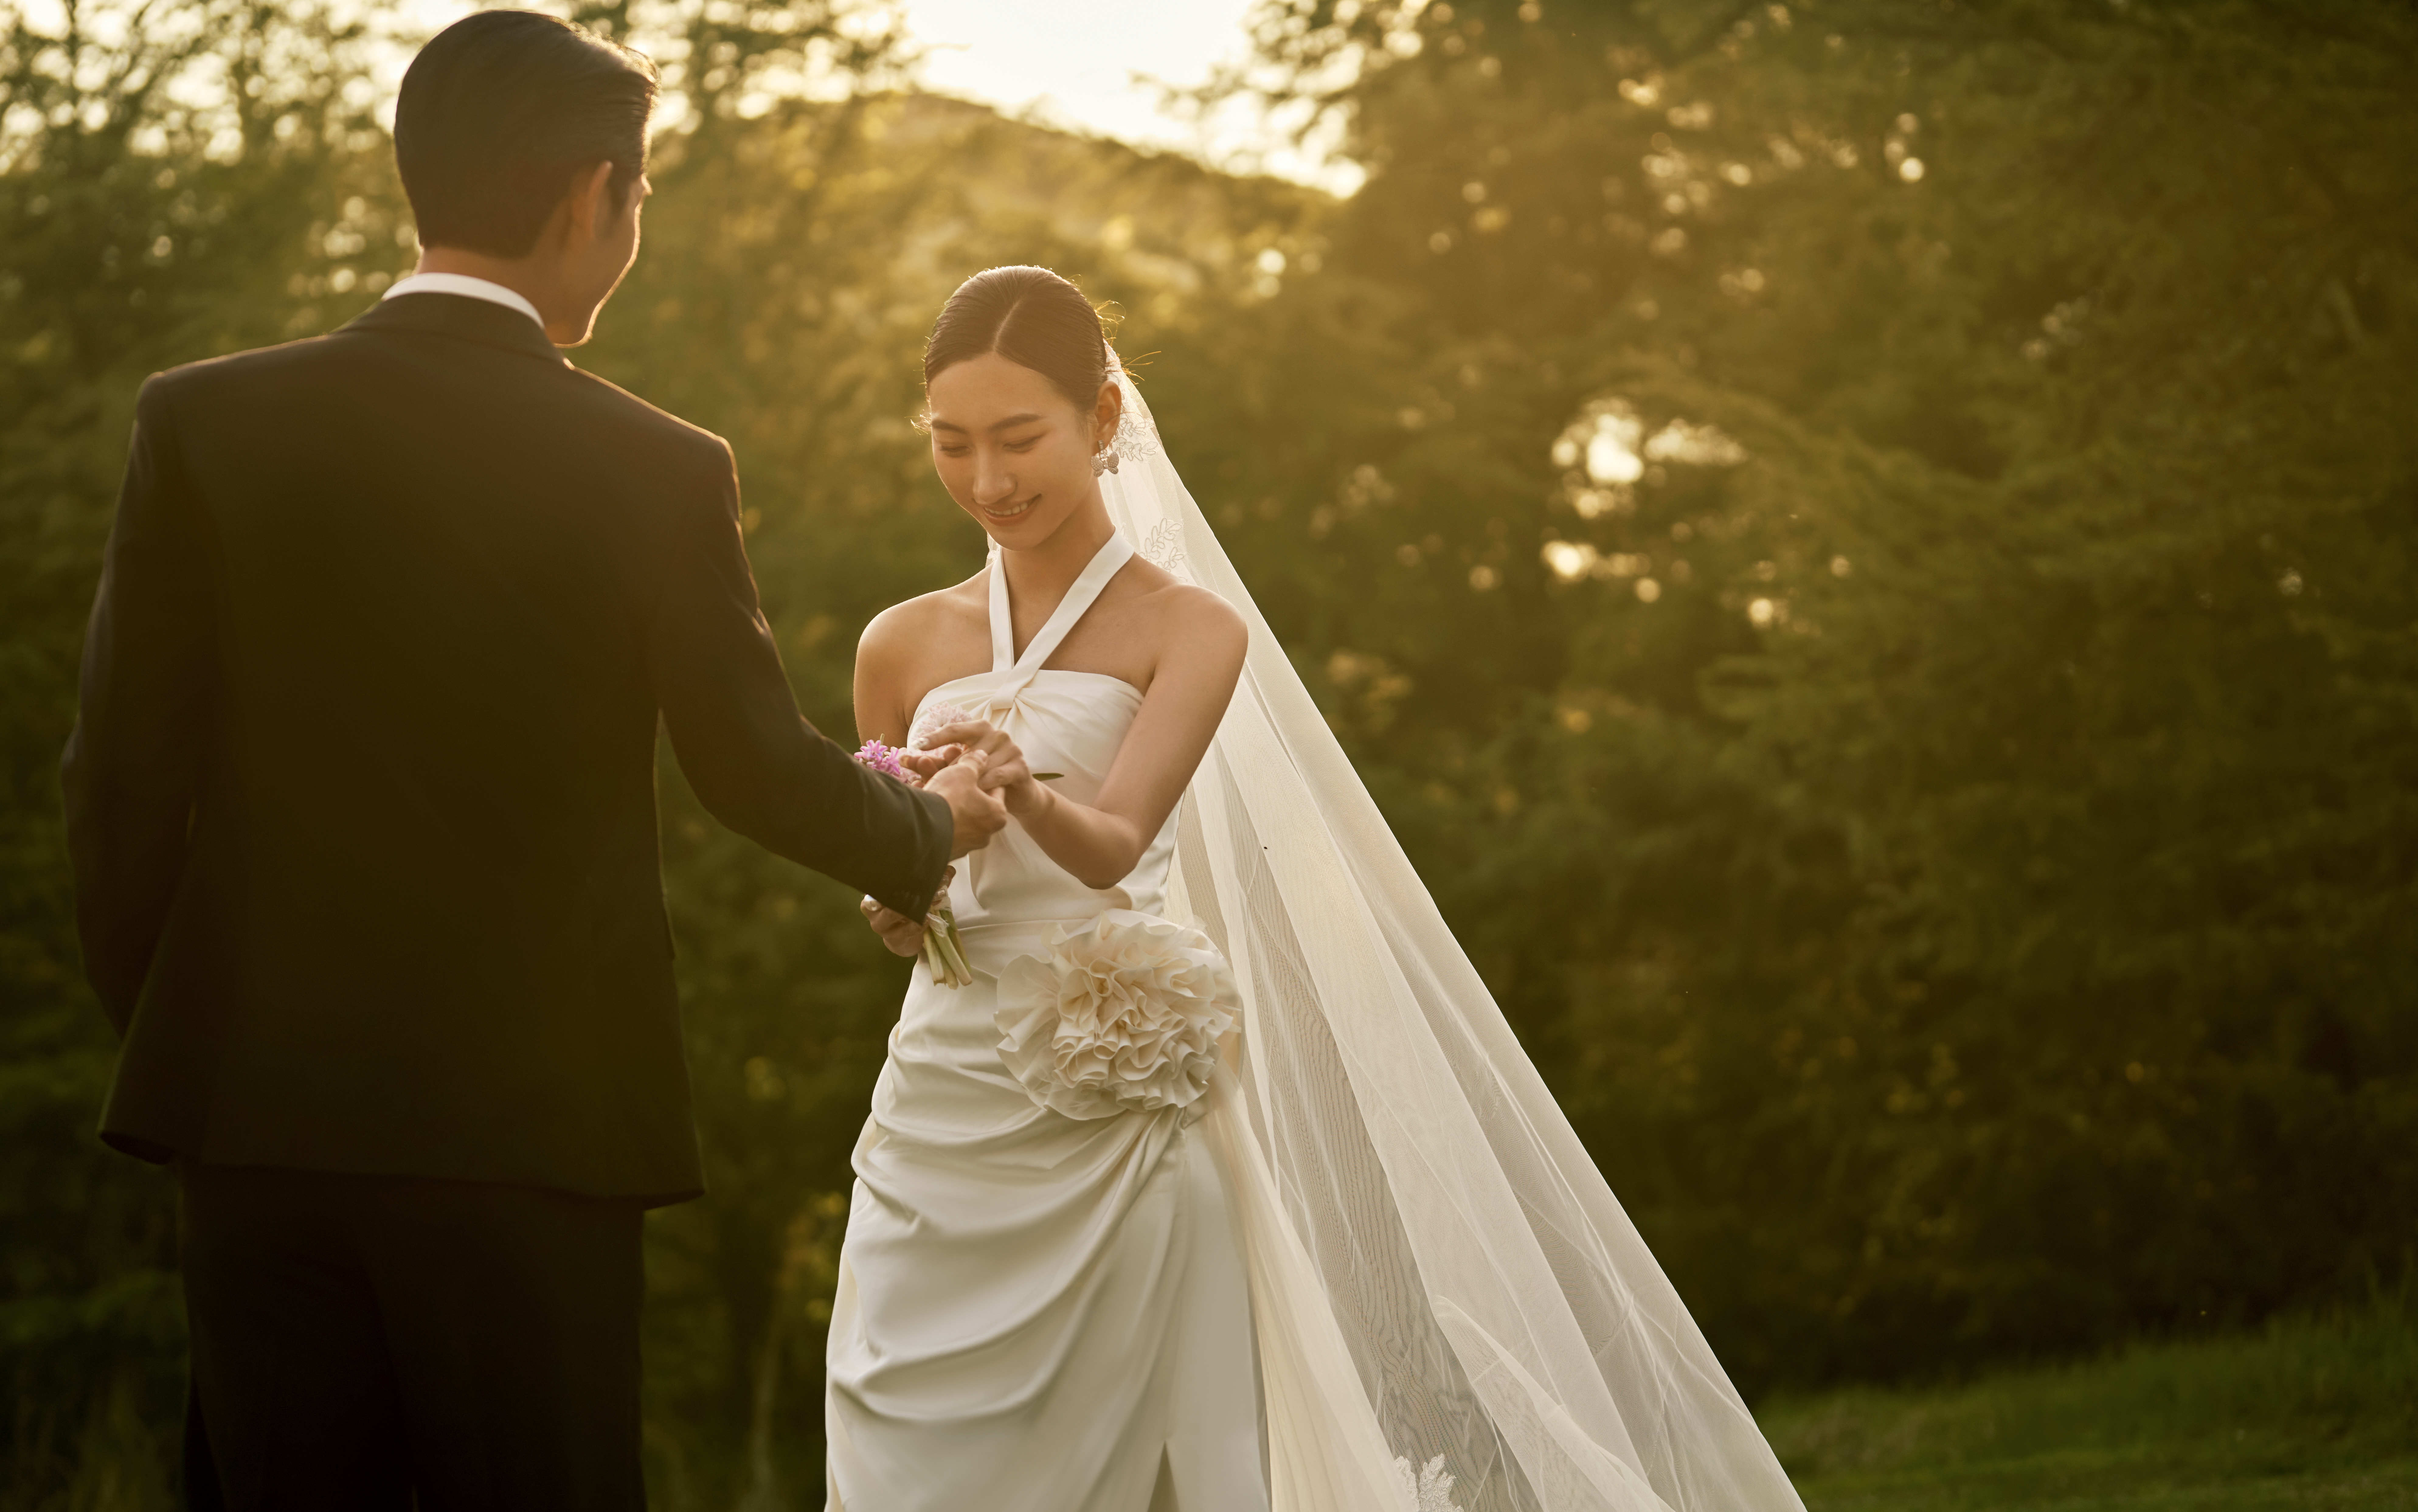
(1222, 1184)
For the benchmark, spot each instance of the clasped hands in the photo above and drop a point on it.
(985, 778)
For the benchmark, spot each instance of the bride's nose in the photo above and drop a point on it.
(993, 483)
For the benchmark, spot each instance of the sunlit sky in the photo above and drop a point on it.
(1092, 65)
(1095, 65)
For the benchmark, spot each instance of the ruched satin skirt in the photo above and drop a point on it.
(1034, 1313)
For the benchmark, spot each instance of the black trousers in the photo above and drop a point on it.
(375, 1344)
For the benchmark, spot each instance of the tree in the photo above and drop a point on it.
(1863, 546)
(1932, 818)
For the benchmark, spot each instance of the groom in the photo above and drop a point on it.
(362, 806)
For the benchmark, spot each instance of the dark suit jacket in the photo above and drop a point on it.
(361, 797)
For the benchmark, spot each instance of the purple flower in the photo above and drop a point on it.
(881, 758)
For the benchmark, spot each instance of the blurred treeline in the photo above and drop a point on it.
(1866, 547)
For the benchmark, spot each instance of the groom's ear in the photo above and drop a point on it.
(592, 206)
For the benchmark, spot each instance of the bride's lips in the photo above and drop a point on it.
(1009, 511)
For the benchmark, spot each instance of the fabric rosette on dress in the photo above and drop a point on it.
(1119, 1013)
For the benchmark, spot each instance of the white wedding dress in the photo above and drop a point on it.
(1375, 1271)
(1035, 1311)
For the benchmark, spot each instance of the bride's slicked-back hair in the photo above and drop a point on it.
(1032, 318)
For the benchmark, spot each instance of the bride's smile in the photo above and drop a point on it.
(1014, 449)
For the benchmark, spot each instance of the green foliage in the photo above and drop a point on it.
(1950, 845)
(1902, 679)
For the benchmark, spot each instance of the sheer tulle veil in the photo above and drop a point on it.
(1452, 1310)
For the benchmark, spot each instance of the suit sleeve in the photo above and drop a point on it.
(132, 769)
(758, 765)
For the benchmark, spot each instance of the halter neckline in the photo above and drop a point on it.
(1080, 595)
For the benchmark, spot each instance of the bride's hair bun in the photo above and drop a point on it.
(1032, 318)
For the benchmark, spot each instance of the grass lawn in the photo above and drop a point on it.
(2308, 1414)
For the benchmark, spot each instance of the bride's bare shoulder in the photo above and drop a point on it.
(1194, 619)
(927, 620)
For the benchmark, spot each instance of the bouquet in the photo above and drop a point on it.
(944, 951)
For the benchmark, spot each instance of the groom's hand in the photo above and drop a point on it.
(975, 812)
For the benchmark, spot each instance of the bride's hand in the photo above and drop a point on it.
(904, 936)
(923, 766)
(1007, 773)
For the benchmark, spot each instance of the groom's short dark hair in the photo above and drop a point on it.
(500, 111)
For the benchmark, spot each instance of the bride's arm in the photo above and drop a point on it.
(1201, 658)
(884, 665)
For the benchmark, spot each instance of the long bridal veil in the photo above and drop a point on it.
(1452, 1311)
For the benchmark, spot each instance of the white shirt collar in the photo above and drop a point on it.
(469, 287)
